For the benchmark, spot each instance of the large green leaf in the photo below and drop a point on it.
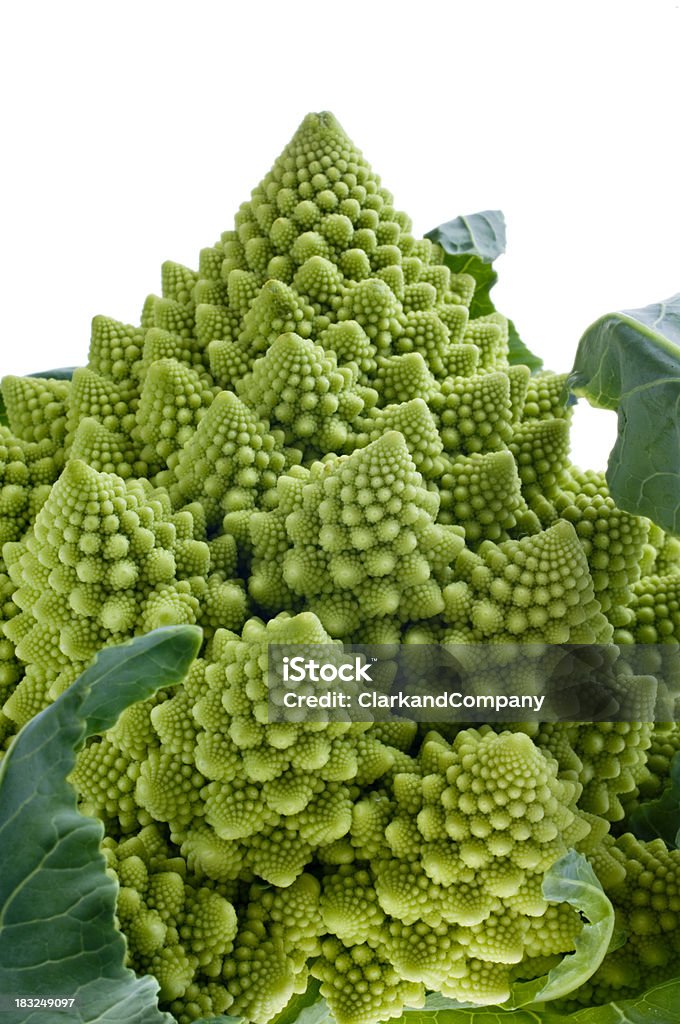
(659, 1005)
(630, 362)
(439, 1011)
(471, 243)
(57, 933)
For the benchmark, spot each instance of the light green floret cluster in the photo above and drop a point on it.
(265, 795)
(180, 927)
(31, 449)
(644, 886)
(365, 544)
(320, 435)
(445, 888)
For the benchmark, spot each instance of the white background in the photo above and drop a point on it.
(133, 131)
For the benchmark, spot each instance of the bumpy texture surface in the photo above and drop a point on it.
(309, 439)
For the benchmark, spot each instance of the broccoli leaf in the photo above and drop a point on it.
(57, 932)
(659, 1005)
(572, 880)
(656, 1006)
(222, 1019)
(438, 1010)
(480, 235)
(63, 373)
(471, 243)
(660, 818)
(519, 353)
(630, 362)
(308, 1008)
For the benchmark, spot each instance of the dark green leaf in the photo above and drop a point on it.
(57, 933)
(308, 1008)
(438, 1010)
(485, 277)
(660, 818)
(63, 373)
(659, 1005)
(122, 675)
(479, 1015)
(436, 1001)
(630, 362)
(519, 354)
(661, 318)
(478, 234)
(222, 1019)
(470, 245)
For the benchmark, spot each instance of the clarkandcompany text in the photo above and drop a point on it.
(411, 701)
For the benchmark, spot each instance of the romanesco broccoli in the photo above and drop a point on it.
(311, 439)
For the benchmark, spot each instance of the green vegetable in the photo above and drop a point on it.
(56, 903)
(64, 373)
(471, 244)
(660, 818)
(326, 433)
(574, 881)
(630, 362)
(657, 1005)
